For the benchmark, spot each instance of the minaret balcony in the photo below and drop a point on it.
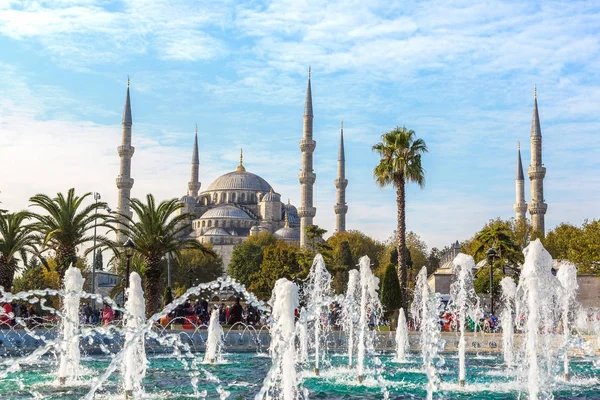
(307, 212)
(520, 208)
(340, 208)
(125, 150)
(537, 208)
(536, 172)
(341, 183)
(124, 183)
(307, 145)
(307, 178)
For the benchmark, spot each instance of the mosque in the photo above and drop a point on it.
(240, 204)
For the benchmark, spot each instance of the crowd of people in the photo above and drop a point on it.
(486, 323)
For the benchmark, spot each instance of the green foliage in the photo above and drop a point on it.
(481, 284)
(192, 268)
(342, 263)
(167, 296)
(17, 238)
(99, 260)
(498, 234)
(360, 245)
(245, 261)
(390, 289)
(579, 245)
(280, 260)
(156, 230)
(65, 223)
(314, 235)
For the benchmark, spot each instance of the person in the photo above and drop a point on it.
(6, 316)
(107, 314)
(236, 312)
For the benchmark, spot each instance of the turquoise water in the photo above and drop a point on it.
(242, 376)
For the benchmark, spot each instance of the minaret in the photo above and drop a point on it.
(194, 184)
(125, 150)
(307, 177)
(537, 172)
(340, 183)
(520, 206)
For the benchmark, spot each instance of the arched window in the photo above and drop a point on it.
(233, 197)
(209, 223)
(243, 195)
(215, 197)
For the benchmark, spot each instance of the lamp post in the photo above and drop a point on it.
(129, 247)
(491, 255)
(96, 198)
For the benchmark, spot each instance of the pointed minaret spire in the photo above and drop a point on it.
(537, 172)
(520, 206)
(341, 182)
(194, 183)
(307, 177)
(286, 219)
(125, 151)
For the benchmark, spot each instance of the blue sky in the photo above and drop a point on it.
(461, 74)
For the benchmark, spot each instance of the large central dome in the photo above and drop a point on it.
(239, 180)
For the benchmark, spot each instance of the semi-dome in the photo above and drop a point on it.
(287, 233)
(292, 213)
(271, 196)
(226, 211)
(216, 232)
(239, 180)
(188, 199)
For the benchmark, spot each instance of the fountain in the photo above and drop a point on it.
(509, 291)
(567, 276)
(370, 307)
(281, 381)
(134, 360)
(402, 343)
(318, 298)
(536, 299)
(214, 343)
(424, 310)
(351, 310)
(165, 360)
(464, 303)
(69, 347)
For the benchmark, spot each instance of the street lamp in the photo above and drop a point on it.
(491, 255)
(96, 198)
(129, 247)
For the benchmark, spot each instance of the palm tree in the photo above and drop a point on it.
(16, 238)
(65, 225)
(400, 153)
(157, 231)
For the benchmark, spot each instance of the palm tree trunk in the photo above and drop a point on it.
(152, 285)
(65, 257)
(7, 273)
(401, 240)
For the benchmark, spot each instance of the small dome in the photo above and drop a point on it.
(271, 196)
(292, 213)
(188, 200)
(239, 180)
(290, 234)
(226, 211)
(216, 232)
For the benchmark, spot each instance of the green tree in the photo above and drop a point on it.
(314, 234)
(158, 229)
(65, 226)
(579, 245)
(360, 245)
(16, 239)
(342, 263)
(433, 260)
(193, 267)
(247, 257)
(481, 284)
(499, 235)
(390, 290)
(400, 163)
(280, 260)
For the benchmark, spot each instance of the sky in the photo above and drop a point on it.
(460, 74)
